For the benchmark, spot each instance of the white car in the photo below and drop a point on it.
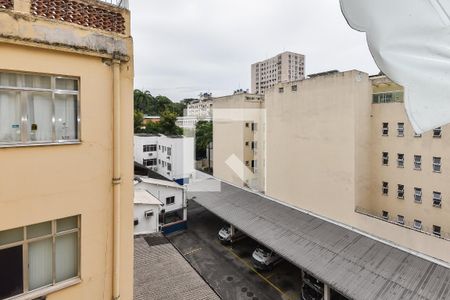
(264, 259)
(225, 236)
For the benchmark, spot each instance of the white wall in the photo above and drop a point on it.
(139, 142)
(181, 158)
(162, 192)
(146, 225)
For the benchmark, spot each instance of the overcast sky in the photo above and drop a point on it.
(184, 47)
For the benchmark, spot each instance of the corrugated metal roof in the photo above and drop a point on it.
(162, 273)
(353, 264)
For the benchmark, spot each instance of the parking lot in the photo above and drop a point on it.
(228, 269)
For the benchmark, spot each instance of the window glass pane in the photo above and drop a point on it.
(9, 117)
(40, 114)
(66, 117)
(36, 81)
(40, 263)
(66, 224)
(11, 236)
(8, 79)
(11, 272)
(66, 84)
(66, 256)
(40, 229)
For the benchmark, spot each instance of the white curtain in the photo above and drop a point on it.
(40, 114)
(66, 256)
(65, 117)
(40, 263)
(9, 117)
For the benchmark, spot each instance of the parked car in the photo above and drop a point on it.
(225, 236)
(312, 288)
(264, 259)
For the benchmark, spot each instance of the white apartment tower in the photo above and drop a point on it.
(284, 67)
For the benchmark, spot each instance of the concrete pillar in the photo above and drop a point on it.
(326, 292)
(232, 230)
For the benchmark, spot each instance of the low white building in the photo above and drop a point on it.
(146, 212)
(189, 122)
(171, 198)
(200, 109)
(169, 156)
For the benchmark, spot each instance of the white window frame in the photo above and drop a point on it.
(385, 188)
(54, 286)
(437, 164)
(435, 232)
(418, 195)
(385, 129)
(170, 202)
(385, 215)
(401, 219)
(417, 162)
(437, 199)
(24, 123)
(400, 191)
(400, 129)
(437, 132)
(417, 224)
(385, 158)
(400, 160)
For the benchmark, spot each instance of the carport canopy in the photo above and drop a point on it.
(353, 264)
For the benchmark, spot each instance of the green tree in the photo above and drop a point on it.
(144, 102)
(203, 137)
(167, 124)
(138, 121)
(152, 128)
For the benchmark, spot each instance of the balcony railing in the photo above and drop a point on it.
(119, 3)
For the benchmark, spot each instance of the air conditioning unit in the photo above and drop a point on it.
(148, 213)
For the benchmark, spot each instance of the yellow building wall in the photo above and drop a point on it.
(318, 155)
(40, 183)
(230, 116)
(429, 181)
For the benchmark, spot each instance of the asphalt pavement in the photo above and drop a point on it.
(228, 269)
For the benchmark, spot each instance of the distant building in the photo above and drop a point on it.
(151, 119)
(190, 122)
(285, 67)
(169, 156)
(200, 109)
(236, 131)
(172, 213)
(340, 145)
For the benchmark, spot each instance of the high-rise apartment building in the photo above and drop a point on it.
(340, 146)
(285, 67)
(66, 150)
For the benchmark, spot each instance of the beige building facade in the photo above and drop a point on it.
(323, 153)
(284, 67)
(66, 137)
(238, 118)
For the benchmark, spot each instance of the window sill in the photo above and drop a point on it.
(47, 290)
(417, 169)
(39, 144)
(437, 172)
(418, 202)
